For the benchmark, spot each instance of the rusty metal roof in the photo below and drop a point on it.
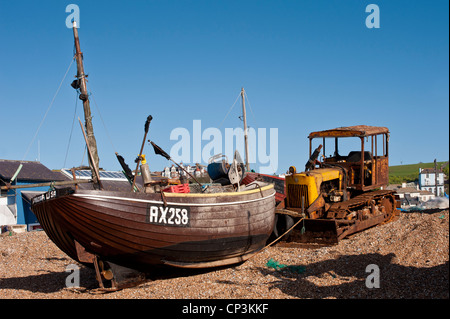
(348, 131)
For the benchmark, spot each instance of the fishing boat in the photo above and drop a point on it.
(126, 232)
(135, 229)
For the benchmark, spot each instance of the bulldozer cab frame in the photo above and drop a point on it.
(338, 195)
(368, 167)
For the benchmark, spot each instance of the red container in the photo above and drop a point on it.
(182, 188)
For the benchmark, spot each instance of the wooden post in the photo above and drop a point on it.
(46, 184)
(92, 144)
(95, 171)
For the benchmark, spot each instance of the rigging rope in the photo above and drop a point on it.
(48, 109)
(101, 118)
(84, 154)
(71, 130)
(254, 119)
(99, 113)
(230, 110)
(251, 110)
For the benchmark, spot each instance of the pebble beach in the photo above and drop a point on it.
(410, 255)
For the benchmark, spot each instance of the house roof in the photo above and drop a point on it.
(425, 192)
(430, 171)
(407, 190)
(31, 171)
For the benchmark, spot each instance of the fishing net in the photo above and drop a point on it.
(277, 266)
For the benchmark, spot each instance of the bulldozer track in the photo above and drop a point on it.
(340, 210)
(335, 226)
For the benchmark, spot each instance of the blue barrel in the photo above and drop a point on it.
(217, 171)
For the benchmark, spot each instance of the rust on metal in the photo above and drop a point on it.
(112, 277)
(342, 190)
(347, 131)
(83, 255)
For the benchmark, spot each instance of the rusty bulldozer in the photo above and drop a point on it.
(338, 195)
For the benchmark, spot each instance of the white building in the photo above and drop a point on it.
(176, 172)
(410, 195)
(166, 172)
(427, 181)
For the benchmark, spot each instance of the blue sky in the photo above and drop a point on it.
(305, 66)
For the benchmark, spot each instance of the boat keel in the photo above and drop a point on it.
(112, 277)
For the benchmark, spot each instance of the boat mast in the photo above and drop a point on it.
(92, 144)
(244, 114)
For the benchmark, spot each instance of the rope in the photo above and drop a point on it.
(48, 109)
(273, 242)
(71, 130)
(103, 122)
(254, 119)
(84, 153)
(251, 110)
(230, 110)
(99, 113)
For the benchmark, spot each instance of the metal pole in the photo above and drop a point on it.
(147, 124)
(244, 114)
(16, 173)
(362, 163)
(436, 177)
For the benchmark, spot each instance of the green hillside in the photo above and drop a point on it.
(410, 172)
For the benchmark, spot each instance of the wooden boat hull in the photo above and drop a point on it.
(137, 230)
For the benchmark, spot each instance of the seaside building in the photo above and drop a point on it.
(15, 203)
(430, 182)
(411, 195)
